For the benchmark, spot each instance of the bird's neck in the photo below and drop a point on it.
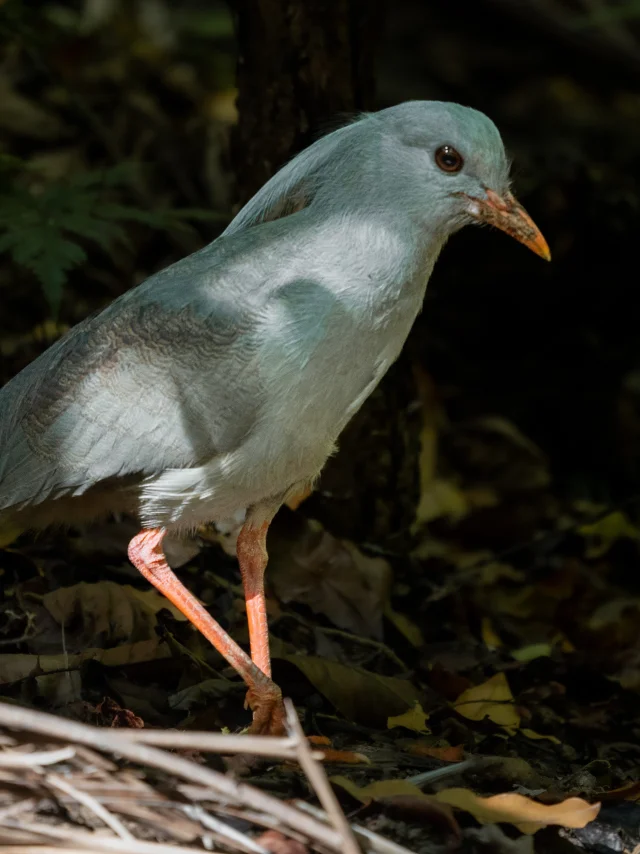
(384, 273)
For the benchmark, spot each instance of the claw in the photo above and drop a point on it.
(265, 701)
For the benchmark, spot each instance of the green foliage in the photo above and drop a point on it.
(46, 231)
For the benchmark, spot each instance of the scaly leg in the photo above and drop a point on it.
(252, 557)
(251, 549)
(263, 697)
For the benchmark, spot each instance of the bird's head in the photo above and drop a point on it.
(449, 163)
(440, 164)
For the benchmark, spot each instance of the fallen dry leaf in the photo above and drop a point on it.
(333, 577)
(514, 771)
(440, 499)
(613, 612)
(490, 451)
(405, 626)
(603, 533)
(527, 815)
(108, 612)
(8, 534)
(415, 719)
(532, 651)
(492, 699)
(402, 799)
(59, 689)
(378, 790)
(112, 714)
(628, 792)
(444, 754)
(493, 571)
(490, 638)
(319, 740)
(344, 757)
(536, 736)
(202, 694)
(357, 694)
(14, 667)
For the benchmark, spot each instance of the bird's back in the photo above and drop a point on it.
(157, 380)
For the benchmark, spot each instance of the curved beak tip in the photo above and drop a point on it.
(507, 214)
(542, 249)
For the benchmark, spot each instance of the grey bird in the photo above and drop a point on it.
(220, 385)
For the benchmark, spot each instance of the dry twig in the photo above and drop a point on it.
(90, 803)
(221, 786)
(215, 742)
(328, 832)
(17, 759)
(318, 779)
(93, 841)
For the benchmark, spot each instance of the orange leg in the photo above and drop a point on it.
(264, 696)
(251, 549)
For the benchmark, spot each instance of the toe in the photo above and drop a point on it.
(268, 710)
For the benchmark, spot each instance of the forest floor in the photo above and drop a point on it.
(465, 698)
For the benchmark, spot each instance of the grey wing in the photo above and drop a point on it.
(141, 388)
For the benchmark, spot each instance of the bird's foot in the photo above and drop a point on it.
(265, 701)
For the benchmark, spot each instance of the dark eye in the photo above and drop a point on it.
(448, 159)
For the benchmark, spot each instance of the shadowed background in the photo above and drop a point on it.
(89, 87)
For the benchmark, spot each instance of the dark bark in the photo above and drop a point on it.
(303, 64)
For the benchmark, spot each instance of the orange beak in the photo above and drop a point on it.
(507, 214)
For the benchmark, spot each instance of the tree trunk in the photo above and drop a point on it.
(302, 63)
